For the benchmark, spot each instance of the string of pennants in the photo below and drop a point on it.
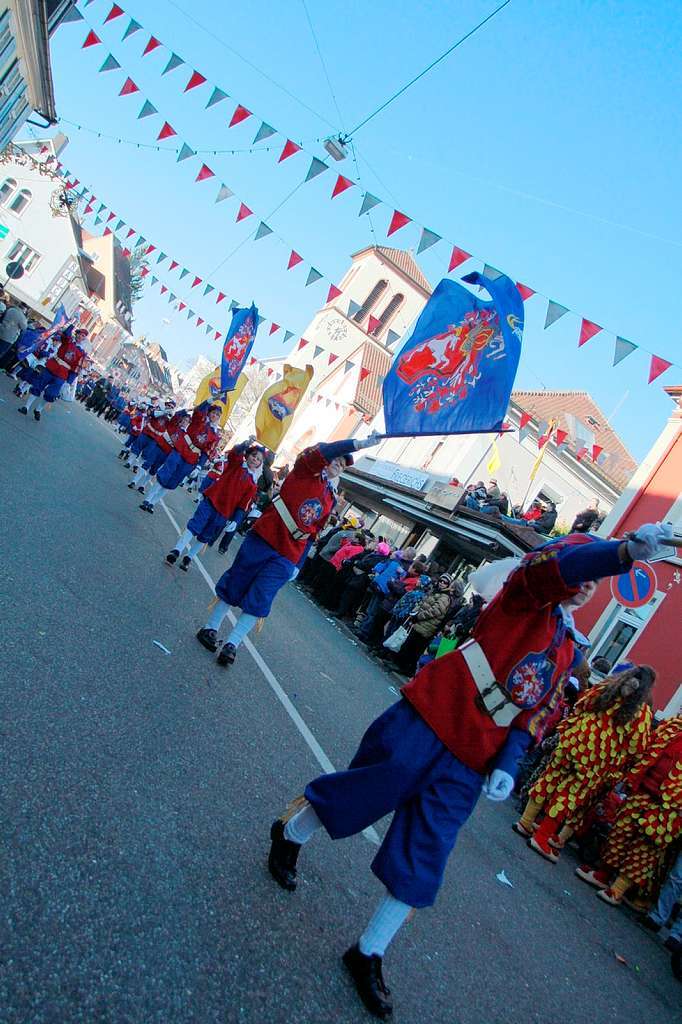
(130, 236)
(428, 238)
(549, 430)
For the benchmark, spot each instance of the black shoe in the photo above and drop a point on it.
(227, 655)
(23, 410)
(282, 857)
(36, 414)
(121, 455)
(172, 556)
(185, 564)
(146, 507)
(135, 469)
(127, 465)
(369, 982)
(650, 925)
(131, 486)
(208, 638)
(140, 489)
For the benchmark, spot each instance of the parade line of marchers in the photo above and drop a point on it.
(464, 722)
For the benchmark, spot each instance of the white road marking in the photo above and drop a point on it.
(369, 833)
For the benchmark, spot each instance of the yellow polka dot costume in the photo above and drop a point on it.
(593, 753)
(648, 822)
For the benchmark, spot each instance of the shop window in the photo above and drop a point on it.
(620, 631)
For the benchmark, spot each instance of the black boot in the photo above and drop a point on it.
(208, 638)
(131, 485)
(369, 981)
(283, 856)
(23, 410)
(36, 414)
(227, 655)
(224, 542)
(185, 563)
(146, 507)
(172, 556)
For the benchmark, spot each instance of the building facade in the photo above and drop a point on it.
(640, 620)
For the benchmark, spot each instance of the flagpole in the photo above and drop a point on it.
(481, 460)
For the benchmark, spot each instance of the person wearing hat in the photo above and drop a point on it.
(63, 366)
(424, 622)
(384, 585)
(278, 542)
(459, 730)
(191, 445)
(155, 442)
(226, 499)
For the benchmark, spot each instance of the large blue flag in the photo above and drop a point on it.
(455, 373)
(33, 336)
(238, 343)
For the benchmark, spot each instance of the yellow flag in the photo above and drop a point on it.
(495, 460)
(536, 465)
(209, 390)
(278, 404)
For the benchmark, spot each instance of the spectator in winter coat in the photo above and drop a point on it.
(425, 621)
(13, 323)
(327, 579)
(547, 520)
(385, 573)
(358, 580)
(586, 520)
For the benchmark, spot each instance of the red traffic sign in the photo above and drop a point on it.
(635, 588)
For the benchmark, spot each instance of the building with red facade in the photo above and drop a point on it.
(641, 619)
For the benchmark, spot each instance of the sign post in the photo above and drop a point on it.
(635, 588)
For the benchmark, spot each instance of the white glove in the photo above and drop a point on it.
(368, 442)
(295, 573)
(498, 785)
(646, 542)
(231, 527)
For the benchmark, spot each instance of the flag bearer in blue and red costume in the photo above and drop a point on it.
(196, 443)
(154, 443)
(226, 499)
(277, 544)
(151, 408)
(136, 422)
(460, 729)
(63, 366)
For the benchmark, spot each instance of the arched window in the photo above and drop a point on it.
(371, 301)
(390, 311)
(7, 189)
(21, 201)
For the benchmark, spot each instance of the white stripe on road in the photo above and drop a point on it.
(317, 751)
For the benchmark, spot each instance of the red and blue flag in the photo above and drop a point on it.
(238, 344)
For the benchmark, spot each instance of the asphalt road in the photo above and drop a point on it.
(138, 789)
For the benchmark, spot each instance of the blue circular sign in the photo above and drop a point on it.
(635, 588)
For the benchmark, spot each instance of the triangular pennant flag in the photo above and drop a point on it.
(581, 453)
(348, 366)
(200, 321)
(163, 289)
(364, 373)
(133, 26)
(373, 324)
(112, 216)
(216, 97)
(289, 149)
(560, 436)
(233, 304)
(391, 337)
(110, 62)
(263, 231)
(657, 367)
(107, 231)
(223, 193)
(185, 153)
(196, 79)
(332, 357)
(183, 273)
(294, 259)
(217, 336)
(119, 225)
(368, 203)
(526, 417)
(87, 210)
(273, 328)
(151, 45)
(524, 290)
(264, 132)
(128, 88)
(492, 273)
(141, 240)
(333, 293)
(149, 250)
(316, 167)
(302, 344)
(240, 114)
(313, 276)
(243, 212)
(287, 336)
(427, 239)
(252, 361)
(622, 350)
(172, 297)
(587, 331)
(155, 280)
(181, 306)
(174, 61)
(166, 132)
(115, 12)
(204, 173)
(317, 350)
(261, 319)
(341, 185)
(190, 314)
(554, 312)
(72, 15)
(131, 232)
(174, 264)
(147, 109)
(457, 257)
(398, 220)
(209, 288)
(353, 307)
(208, 328)
(221, 296)
(91, 40)
(597, 449)
(196, 281)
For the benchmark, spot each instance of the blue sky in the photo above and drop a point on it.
(549, 144)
